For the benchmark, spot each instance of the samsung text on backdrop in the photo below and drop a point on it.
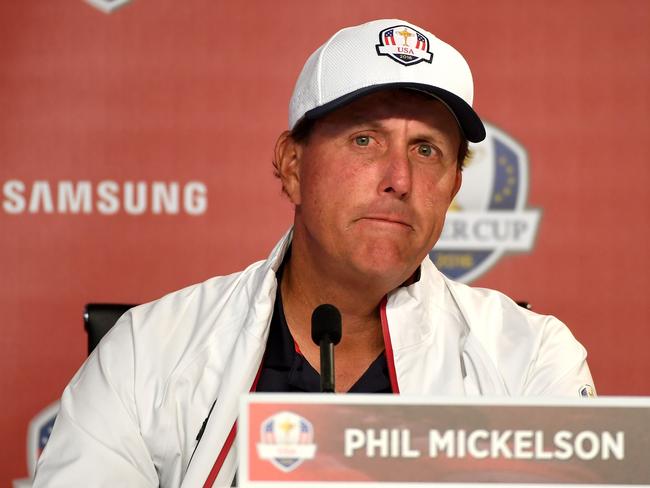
(106, 197)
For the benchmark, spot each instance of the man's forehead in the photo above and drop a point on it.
(372, 109)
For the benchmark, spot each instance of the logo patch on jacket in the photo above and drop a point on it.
(404, 44)
(286, 440)
(587, 391)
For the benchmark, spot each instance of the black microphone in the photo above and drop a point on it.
(326, 333)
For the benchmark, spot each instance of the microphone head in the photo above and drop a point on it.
(326, 324)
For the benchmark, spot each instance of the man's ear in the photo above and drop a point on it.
(287, 165)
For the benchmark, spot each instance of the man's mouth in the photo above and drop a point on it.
(388, 220)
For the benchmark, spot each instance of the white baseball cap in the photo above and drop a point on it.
(388, 53)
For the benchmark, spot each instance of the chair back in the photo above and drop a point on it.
(99, 318)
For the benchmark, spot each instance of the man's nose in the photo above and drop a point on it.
(397, 177)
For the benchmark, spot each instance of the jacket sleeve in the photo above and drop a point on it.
(559, 367)
(96, 438)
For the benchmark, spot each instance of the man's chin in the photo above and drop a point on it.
(384, 264)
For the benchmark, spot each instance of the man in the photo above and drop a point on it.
(379, 123)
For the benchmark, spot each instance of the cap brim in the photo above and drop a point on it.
(468, 120)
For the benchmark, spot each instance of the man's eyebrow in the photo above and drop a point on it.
(356, 119)
(352, 121)
(368, 123)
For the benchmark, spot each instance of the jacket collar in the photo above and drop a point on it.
(427, 328)
(253, 299)
(428, 333)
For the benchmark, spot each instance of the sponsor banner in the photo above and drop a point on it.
(385, 440)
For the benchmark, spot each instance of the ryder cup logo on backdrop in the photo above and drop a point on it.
(38, 433)
(107, 6)
(404, 45)
(286, 441)
(489, 216)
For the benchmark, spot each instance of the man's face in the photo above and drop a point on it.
(374, 182)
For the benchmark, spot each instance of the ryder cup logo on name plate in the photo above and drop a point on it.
(404, 45)
(286, 440)
(489, 216)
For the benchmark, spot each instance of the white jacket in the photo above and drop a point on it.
(131, 414)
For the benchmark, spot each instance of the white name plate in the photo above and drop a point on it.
(390, 441)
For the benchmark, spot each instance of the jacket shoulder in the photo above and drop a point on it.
(534, 354)
(167, 334)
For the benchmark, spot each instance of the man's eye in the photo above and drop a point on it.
(362, 140)
(425, 150)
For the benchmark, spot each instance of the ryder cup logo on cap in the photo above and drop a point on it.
(286, 440)
(381, 54)
(489, 215)
(411, 46)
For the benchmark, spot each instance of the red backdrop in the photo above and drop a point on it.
(197, 90)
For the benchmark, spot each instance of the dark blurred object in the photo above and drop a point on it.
(99, 318)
